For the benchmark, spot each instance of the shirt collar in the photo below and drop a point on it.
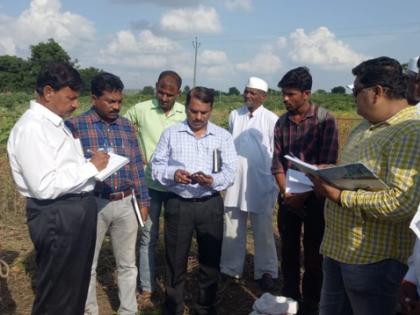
(211, 128)
(47, 113)
(256, 112)
(175, 109)
(94, 117)
(402, 115)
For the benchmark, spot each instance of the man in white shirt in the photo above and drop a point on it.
(49, 169)
(254, 191)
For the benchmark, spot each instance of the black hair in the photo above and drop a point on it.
(172, 74)
(384, 71)
(58, 75)
(201, 93)
(298, 78)
(105, 81)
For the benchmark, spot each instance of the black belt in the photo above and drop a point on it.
(115, 195)
(196, 199)
(81, 195)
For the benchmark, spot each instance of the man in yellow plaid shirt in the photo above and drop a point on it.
(367, 239)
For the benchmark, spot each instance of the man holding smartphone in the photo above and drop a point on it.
(183, 163)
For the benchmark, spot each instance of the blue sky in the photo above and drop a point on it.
(137, 39)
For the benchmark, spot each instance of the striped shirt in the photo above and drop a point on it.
(373, 226)
(310, 140)
(179, 148)
(120, 136)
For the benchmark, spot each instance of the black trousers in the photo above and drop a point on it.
(64, 234)
(182, 218)
(290, 228)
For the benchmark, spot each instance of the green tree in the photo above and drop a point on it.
(87, 75)
(148, 90)
(338, 90)
(12, 73)
(233, 91)
(186, 90)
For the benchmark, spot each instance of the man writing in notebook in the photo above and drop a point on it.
(101, 127)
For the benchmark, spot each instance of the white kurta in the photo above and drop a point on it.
(254, 189)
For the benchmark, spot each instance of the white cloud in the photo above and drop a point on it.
(212, 57)
(144, 50)
(320, 47)
(265, 62)
(281, 42)
(245, 5)
(191, 20)
(44, 20)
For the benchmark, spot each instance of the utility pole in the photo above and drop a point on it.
(196, 44)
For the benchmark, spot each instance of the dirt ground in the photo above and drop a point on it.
(17, 291)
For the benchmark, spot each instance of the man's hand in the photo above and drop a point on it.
(100, 160)
(296, 203)
(144, 212)
(323, 189)
(182, 177)
(409, 298)
(202, 179)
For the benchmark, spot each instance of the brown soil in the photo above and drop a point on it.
(17, 291)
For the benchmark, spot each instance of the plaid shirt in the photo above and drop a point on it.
(120, 136)
(309, 140)
(373, 226)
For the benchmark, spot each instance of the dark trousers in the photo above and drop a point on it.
(290, 228)
(182, 218)
(64, 233)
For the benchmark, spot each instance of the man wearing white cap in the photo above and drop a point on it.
(254, 191)
(413, 86)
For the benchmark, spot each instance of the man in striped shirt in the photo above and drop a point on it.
(367, 239)
(101, 127)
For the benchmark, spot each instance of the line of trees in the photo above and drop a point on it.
(18, 74)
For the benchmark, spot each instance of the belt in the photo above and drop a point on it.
(197, 199)
(115, 195)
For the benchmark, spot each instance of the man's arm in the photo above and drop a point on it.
(47, 181)
(328, 151)
(226, 176)
(400, 201)
(137, 173)
(161, 171)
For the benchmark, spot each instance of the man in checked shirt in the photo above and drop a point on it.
(101, 127)
(310, 133)
(367, 238)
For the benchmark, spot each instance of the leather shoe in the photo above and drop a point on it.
(266, 283)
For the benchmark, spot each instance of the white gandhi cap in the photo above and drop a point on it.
(257, 83)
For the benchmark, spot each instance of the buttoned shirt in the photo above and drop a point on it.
(372, 226)
(120, 137)
(254, 189)
(310, 140)
(46, 161)
(179, 148)
(150, 121)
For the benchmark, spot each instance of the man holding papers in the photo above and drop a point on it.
(367, 238)
(49, 169)
(101, 128)
(310, 133)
